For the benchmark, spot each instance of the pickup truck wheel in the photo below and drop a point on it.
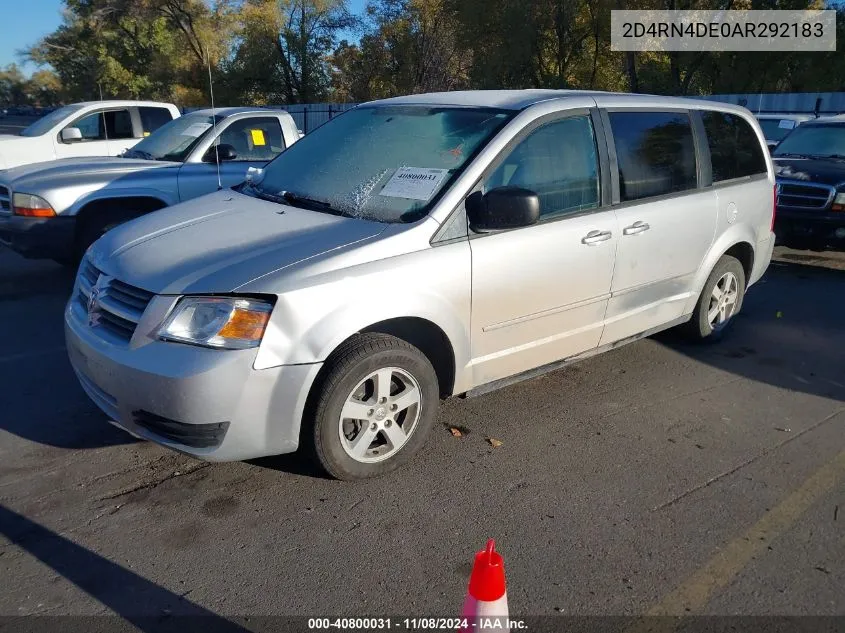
(94, 227)
(373, 408)
(720, 301)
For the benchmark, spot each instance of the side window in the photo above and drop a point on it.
(559, 162)
(655, 152)
(254, 139)
(119, 124)
(99, 126)
(153, 118)
(735, 150)
(91, 126)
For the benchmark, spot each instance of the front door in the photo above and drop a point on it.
(255, 141)
(666, 224)
(104, 133)
(539, 293)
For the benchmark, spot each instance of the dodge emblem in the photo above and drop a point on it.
(93, 301)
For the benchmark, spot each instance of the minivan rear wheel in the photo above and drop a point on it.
(374, 407)
(720, 300)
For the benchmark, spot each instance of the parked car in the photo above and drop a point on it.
(96, 128)
(55, 210)
(413, 249)
(777, 126)
(810, 169)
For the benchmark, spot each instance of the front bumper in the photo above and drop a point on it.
(38, 238)
(211, 404)
(827, 226)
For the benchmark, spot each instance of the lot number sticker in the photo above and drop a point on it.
(414, 183)
(786, 124)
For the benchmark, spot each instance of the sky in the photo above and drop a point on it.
(29, 20)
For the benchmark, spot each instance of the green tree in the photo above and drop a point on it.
(282, 47)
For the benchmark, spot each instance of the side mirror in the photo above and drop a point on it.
(502, 208)
(223, 152)
(71, 134)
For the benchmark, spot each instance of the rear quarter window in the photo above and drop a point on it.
(735, 150)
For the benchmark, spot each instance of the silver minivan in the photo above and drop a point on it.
(414, 249)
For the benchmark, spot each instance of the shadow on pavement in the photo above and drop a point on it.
(789, 334)
(140, 602)
(298, 463)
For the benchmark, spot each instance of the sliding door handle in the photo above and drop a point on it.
(594, 237)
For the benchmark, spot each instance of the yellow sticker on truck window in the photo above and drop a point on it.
(146, 133)
(258, 137)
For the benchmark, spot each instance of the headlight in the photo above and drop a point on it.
(32, 206)
(840, 198)
(226, 323)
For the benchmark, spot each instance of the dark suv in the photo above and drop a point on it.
(810, 171)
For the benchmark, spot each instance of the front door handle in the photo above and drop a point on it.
(636, 228)
(594, 237)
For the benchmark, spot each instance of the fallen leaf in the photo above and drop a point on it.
(494, 442)
(455, 432)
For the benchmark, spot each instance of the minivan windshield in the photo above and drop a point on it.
(174, 140)
(46, 123)
(820, 141)
(382, 162)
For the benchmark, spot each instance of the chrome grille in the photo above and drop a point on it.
(5, 201)
(119, 305)
(801, 195)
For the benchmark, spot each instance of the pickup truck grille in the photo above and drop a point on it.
(5, 201)
(119, 306)
(801, 195)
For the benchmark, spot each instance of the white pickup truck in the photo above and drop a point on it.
(94, 128)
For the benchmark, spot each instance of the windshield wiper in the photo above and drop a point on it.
(834, 156)
(311, 203)
(132, 153)
(792, 155)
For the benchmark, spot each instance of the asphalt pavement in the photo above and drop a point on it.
(660, 478)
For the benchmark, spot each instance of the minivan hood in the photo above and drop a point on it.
(50, 171)
(820, 170)
(221, 242)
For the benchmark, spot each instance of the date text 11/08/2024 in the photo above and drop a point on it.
(417, 624)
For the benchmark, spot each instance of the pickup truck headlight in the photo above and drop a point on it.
(32, 206)
(220, 322)
(840, 198)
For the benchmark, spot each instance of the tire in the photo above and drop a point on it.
(354, 377)
(98, 224)
(701, 326)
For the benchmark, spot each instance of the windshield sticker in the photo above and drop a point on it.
(414, 183)
(196, 129)
(258, 137)
(786, 124)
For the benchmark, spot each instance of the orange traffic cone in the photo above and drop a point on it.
(486, 604)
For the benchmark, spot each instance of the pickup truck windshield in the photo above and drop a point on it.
(174, 140)
(773, 131)
(383, 163)
(46, 123)
(814, 140)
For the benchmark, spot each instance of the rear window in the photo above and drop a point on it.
(153, 118)
(655, 152)
(735, 150)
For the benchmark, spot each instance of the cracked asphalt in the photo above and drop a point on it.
(662, 477)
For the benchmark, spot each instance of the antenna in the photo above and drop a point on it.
(213, 121)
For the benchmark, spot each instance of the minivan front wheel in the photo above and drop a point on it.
(375, 407)
(720, 300)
